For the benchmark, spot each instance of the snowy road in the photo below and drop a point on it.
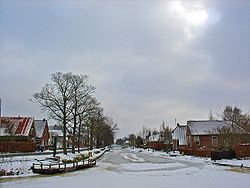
(130, 168)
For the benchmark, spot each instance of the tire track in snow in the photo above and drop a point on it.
(132, 157)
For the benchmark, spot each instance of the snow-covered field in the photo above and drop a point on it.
(132, 168)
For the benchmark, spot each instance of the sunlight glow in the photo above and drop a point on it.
(195, 15)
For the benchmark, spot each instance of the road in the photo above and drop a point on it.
(128, 168)
(134, 161)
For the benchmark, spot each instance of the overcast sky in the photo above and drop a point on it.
(149, 60)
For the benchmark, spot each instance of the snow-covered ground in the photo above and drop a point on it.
(233, 162)
(132, 168)
(19, 166)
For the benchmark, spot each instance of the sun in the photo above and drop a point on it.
(194, 14)
(197, 17)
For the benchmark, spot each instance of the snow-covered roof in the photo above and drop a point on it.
(205, 127)
(56, 127)
(16, 126)
(40, 127)
(56, 132)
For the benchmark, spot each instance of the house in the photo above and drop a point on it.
(17, 134)
(42, 133)
(204, 134)
(204, 137)
(56, 131)
(179, 136)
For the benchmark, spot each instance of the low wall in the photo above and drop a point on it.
(197, 152)
(218, 155)
(242, 150)
(159, 146)
(17, 146)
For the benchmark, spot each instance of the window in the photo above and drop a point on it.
(197, 140)
(214, 140)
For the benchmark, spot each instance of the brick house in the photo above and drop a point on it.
(42, 133)
(17, 134)
(204, 134)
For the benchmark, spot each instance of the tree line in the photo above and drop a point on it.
(69, 99)
(163, 135)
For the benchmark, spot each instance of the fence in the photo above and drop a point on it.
(17, 146)
(218, 155)
(242, 150)
(196, 152)
(159, 146)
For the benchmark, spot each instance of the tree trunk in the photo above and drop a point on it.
(64, 135)
(79, 135)
(74, 131)
(91, 134)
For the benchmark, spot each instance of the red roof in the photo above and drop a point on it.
(19, 126)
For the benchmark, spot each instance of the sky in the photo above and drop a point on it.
(150, 61)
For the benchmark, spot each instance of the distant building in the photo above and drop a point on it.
(56, 131)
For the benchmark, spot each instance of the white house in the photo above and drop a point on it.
(179, 136)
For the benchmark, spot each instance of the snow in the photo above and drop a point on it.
(205, 127)
(235, 162)
(21, 165)
(125, 168)
(132, 157)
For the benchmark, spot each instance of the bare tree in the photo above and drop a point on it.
(119, 141)
(236, 126)
(165, 133)
(68, 99)
(81, 92)
(56, 98)
(145, 134)
(132, 140)
(139, 141)
(83, 111)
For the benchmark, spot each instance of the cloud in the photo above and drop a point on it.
(194, 17)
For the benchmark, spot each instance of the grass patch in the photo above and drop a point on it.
(240, 170)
